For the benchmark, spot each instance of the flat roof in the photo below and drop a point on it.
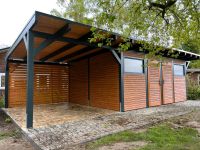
(193, 70)
(63, 41)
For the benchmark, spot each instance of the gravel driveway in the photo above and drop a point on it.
(69, 134)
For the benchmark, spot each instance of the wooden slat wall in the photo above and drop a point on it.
(79, 82)
(154, 86)
(104, 81)
(180, 88)
(2, 62)
(134, 87)
(50, 84)
(168, 83)
(179, 85)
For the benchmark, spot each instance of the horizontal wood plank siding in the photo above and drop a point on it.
(134, 87)
(180, 85)
(2, 62)
(180, 88)
(79, 82)
(50, 84)
(154, 86)
(168, 83)
(104, 81)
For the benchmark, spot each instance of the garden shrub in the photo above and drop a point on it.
(193, 90)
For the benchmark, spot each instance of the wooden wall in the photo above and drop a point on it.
(154, 85)
(167, 68)
(180, 85)
(95, 82)
(50, 84)
(79, 82)
(2, 61)
(134, 87)
(104, 82)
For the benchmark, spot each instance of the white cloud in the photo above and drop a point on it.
(15, 14)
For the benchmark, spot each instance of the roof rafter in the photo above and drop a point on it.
(66, 47)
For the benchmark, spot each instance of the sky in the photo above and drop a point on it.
(15, 14)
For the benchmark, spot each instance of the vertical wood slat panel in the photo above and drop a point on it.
(180, 88)
(180, 85)
(154, 86)
(79, 82)
(134, 87)
(168, 83)
(47, 84)
(104, 82)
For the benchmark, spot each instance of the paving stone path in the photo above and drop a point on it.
(66, 135)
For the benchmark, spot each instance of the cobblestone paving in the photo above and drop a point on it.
(66, 135)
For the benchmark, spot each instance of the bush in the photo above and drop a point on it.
(193, 90)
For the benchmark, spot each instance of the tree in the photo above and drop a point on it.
(159, 22)
(192, 46)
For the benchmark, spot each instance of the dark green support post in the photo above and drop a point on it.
(6, 83)
(146, 81)
(122, 82)
(173, 86)
(30, 81)
(161, 83)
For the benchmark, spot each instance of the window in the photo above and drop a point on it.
(2, 81)
(132, 65)
(179, 70)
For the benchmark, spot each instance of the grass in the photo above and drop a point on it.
(162, 137)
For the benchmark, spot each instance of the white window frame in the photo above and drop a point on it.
(1, 74)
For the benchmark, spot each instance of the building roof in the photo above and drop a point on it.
(61, 40)
(193, 70)
(2, 50)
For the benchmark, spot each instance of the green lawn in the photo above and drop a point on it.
(159, 137)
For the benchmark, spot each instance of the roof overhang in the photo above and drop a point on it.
(63, 41)
(3, 50)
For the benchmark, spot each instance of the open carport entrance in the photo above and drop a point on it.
(52, 62)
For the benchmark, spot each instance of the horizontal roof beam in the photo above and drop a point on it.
(50, 39)
(36, 62)
(66, 47)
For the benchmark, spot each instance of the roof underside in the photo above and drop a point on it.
(66, 41)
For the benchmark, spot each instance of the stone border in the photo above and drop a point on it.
(24, 134)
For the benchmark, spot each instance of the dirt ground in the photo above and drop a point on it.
(10, 136)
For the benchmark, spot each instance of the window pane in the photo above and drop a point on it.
(133, 65)
(179, 70)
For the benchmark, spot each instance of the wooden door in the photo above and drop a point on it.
(154, 84)
(168, 83)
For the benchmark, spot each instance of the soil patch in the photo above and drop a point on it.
(124, 146)
(10, 137)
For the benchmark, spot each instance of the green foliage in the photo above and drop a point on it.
(193, 90)
(194, 64)
(8, 120)
(160, 22)
(12, 133)
(162, 137)
(1, 102)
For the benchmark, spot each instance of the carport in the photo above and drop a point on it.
(52, 61)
